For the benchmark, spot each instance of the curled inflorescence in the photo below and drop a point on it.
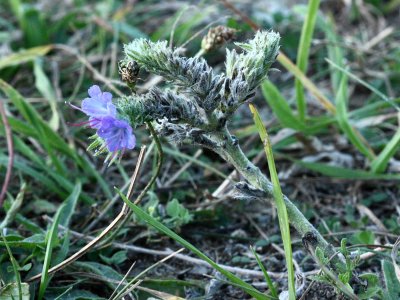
(202, 99)
(157, 105)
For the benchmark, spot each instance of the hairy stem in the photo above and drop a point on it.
(232, 153)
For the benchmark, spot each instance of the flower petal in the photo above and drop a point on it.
(94, 91)
(130, 141)
(98, 108)
(117, 134)
(107, 96)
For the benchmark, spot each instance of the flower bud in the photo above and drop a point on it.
(217, 37)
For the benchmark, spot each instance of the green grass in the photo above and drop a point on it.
(303, 54)
(15, 267)
(53, 174)
(268, 280)
(279, 202)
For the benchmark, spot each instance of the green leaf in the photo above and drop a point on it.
(100, 269)
(15, 267)
(364, 237)
(344, 277)
(25, 268)
(51, 242)
(63, 214)
(280, 107)
(165, 230)
(62, 253)
(41, 206)
(173, 208)
(37, 240)
(117, 258)
(339, 172)
(335, 53)
(45, 88)
(79, 295)
(267, 278)
(69, 205)
(24, 56)
(380, 162)
(303, 52)
(373, 286)
(11, 291)
(319, 253)
(392, 102)
(180, 215)
(45, 133)
(343, 247)
(355, 138)
(279, 202)
(391, 282)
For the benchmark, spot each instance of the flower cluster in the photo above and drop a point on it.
(201, 99)
(116, 134)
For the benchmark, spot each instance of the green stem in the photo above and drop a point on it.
(234, 154)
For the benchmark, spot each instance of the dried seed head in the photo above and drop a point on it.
(216, 37)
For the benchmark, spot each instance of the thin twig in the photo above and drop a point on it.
(128, 214)
(182, 169)
(10, 149)
(116, 197)
(159, 163)
(275, 246)
(126, 288)
(183, 257)
(106, 231)
(122, 280)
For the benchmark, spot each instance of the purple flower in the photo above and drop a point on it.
(117, 134)
(99, 105)
(102, 113)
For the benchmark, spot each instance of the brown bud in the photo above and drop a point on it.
(129, 71)
(216, 37)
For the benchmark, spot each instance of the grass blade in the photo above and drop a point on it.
(335, 53)
(391, 282)
(69, 206)
(268, 280)
(51, 241)
(280, 107)
(344, 173)
(303, 52)
(307, 83)
(280, 204)
(366, 84)
(24, 56)
(15, 267)
(379, 164)
(195, 161)
(44, 86)
(165, 230)
(355, 138)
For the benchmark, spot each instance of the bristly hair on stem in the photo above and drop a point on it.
(198, 110)
(211, 98)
